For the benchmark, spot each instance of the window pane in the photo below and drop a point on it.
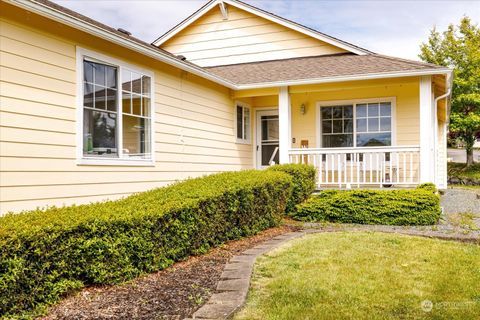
(374, 139)
(348, 125)
(99, 133)
(111, 99)
(100, 98)
(126, 102)
(361, 110)
(87, 71)
(373, 109)
(348, 112)
(385, 124)
(337, 112)
(337, 140)
(146, 86)
(361, 125)
(269, 128)
(146, 107)
(136, 83)
(385, 109)
(246, 123)
(126, 83)
(111, 75)
(88, 95)
(372, 124)
(337, 126)
(327, 126)
(136, 137)
(239, 122)
(136, 104)
(99, 74)
(326, 113)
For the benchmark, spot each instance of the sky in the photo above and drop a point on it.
(388, 27)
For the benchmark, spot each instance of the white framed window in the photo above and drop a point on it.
(242, 123)
(362, 123)
(115, 111)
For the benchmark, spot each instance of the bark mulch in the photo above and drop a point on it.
(174, 293)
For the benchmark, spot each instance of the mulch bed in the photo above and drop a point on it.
(174, 293)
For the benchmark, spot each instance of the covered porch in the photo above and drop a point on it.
(358, 134)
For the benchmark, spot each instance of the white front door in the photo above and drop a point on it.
(267, 138)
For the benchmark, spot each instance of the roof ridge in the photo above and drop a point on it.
(285, 59)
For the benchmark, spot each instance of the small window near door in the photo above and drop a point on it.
(242, 123)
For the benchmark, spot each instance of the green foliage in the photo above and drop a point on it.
(419, 206)
(44, 254)
(459, 48)
(303, 177)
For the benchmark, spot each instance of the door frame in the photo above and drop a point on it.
(257, 134)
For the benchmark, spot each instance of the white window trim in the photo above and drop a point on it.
(235, 124)
(331, 103)
(81, 53)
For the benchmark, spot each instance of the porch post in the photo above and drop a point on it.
(284, 130)
(427, 159)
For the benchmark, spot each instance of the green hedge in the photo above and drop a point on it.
(303, 182)
(419, 206)
(44, 254)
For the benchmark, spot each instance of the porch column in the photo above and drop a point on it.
(285, 128)
(427, 159)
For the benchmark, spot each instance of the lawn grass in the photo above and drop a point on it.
(366, 276)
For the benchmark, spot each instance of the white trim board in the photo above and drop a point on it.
(263, 14)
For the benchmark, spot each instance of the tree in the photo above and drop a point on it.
(459, 48)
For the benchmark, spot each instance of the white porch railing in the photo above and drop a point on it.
(365, 166)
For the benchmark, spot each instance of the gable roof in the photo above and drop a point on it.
(264, 14)
(318, 69)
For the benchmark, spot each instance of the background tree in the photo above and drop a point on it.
(459, 48)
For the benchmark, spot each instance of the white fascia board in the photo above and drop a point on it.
(344, 78)
(76, 23)
(263, 14)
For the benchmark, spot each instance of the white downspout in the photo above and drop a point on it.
(435, 142)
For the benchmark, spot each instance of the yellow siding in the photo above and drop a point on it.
(193, 128)
(243, 37)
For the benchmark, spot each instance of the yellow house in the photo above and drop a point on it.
(89, 113)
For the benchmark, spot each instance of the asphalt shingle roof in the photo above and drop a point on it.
(316, 67)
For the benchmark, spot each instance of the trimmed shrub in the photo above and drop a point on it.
(419, 206)
(44, 254)
(303, 177)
